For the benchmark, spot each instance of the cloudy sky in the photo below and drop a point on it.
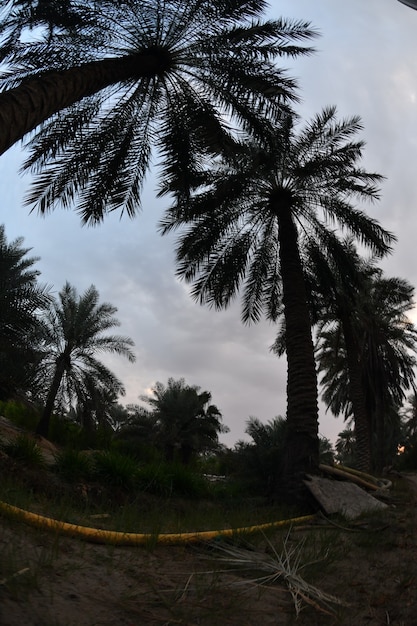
(365, 64)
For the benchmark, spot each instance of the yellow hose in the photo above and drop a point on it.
(97, 535)
(360, 478)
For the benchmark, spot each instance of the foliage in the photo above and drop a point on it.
(171, 479)
(365, 336)
(21, 413)
(73, 465)
(24, 448)
(326, 451)
(135, 78)
(247, 226)
(56, 15)
(346, 448)
(21, 298)
(75, 328)
(115, 469)
(258, 464)
(182, 423)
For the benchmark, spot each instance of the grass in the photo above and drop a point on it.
(73, 465)
(279, 565)
(25, 449)
(310, 574)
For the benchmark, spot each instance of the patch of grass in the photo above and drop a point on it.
(73, 465)
(25, 449)
(170, 479)
(115, 469)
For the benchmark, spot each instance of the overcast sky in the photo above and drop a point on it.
(365, 64)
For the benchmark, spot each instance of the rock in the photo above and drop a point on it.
(335, 496)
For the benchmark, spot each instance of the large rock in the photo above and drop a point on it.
(335, 496)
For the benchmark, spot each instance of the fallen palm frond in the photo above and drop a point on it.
(4, 581)
(274, 567)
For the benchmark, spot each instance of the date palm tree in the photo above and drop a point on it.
(21, 300)
(170, 79)
(249, 227)
(184, 420)
(366, 352)
(75, 328)
(55, 15)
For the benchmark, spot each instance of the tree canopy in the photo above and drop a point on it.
(138, 80)
(75, 333)
(249, 224)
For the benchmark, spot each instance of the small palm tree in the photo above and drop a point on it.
(138, 75)
(75, 329)
(21, 300)
(346, 447)
(184, 419)
(250, 226)
(365, 351)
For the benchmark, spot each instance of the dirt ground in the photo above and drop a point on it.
(369, 564)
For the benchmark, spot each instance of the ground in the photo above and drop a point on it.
(370, 565)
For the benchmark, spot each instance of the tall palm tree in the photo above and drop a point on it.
(174, 76)
(184, 419)
(75, 328)
(21, 300)
(250, 225)
(366, 349)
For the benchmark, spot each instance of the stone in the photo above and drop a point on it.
(335, 496)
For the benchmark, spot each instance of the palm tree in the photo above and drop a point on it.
(251, 224)
(74, 333)
(346, 447)
(21, 300)
(175, 76)
(184, 419)
(365, 349)
(55, 15)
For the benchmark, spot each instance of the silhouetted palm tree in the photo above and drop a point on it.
(249, 226)
(175, 77)
(75, 328)
(183, 420)
(365, 349)
(21, 300)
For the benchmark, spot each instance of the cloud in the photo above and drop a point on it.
(365, 64)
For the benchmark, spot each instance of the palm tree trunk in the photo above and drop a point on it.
(302, 449)
(357, 398)
(43, 425)
(36, 99)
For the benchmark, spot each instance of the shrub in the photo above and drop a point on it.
(20, 414)
(166, 479)
(115, 469)
(24, 448)
(73, 465)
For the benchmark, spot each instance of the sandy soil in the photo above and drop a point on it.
(370, 565)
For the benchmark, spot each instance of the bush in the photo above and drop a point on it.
(21, 414)
(115, 469)
(73, 465)
(24, 448)
(167, 479)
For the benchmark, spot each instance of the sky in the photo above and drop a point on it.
(365, 64)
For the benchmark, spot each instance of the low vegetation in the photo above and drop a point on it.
(323, 572)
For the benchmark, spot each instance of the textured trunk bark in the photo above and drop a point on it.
(43, 424)
(36, 99)
(379, 418)
(357, 397)
(302, 449)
